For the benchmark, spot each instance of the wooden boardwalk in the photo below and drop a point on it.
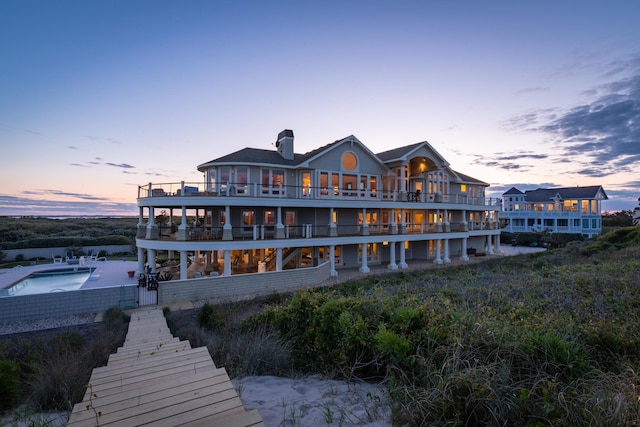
(155, 379)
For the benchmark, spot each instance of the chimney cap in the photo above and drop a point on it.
(285, 133)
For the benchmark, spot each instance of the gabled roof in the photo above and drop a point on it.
(566, 193)
(398, 153)
(404, 153)
(311, 155)
(469, 179)
(513, 190)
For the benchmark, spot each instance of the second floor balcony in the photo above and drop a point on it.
(304, 231)
(253, 190)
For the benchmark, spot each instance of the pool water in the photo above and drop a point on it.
(43, 282)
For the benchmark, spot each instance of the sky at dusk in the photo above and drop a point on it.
(100, 97)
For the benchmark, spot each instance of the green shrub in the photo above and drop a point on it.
(9, 384)
(391, 345)
(19, 258)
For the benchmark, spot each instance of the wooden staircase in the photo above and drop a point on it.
(156, 379)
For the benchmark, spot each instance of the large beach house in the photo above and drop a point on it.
(342, 205)
(556, 210)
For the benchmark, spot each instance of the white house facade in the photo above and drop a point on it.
(260, 210)
(575, 210)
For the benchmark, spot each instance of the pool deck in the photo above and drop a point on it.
(106, 273)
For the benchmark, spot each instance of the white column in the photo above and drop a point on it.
(183, 265)
(279, 225)
(152, 228)
(393, 229)
(332, 260)
(226, 229)
(403, 224)
(498, 248)
(365, 225)
(403, 263)
(151, 259)
(364, 268)
(447, 224)
(141, 261)
(489, 244)
(464, 256)
(141, 231)
(438, 260)
(279, 259)
(447, 260)
(183, 233)
(392, 256)
(333, 230)
(227, 263)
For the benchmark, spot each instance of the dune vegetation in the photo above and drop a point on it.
(551, 338)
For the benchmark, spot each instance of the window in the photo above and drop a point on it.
(248, 220)
(463, 188)
(324, 252)
(213, 180)
(372, 252)
(349, 184)
(242, 180)
(290, 220)
(225, 178)
(349, 161)
(306, 183)
(272, 181)
(371, 218)
(324, 183)
(269, 217)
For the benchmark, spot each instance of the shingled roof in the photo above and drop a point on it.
(397, 153)
(513, 190)
(566, 193)
(261, 156)
(470, 179)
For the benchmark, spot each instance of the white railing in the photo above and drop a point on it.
(234, 189)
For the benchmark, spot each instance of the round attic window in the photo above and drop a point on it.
(349, 161)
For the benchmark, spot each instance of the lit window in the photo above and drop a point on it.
(349, 161)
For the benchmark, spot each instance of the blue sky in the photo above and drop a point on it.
(99, 97)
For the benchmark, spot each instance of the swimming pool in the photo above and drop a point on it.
(46, 281)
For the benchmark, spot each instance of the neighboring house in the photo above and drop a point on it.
(268, 210)
(556, 210)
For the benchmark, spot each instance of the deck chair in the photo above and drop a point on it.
(92, 255)
(70, 256)
(57, 259)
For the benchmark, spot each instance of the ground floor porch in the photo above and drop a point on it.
(168, 264)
